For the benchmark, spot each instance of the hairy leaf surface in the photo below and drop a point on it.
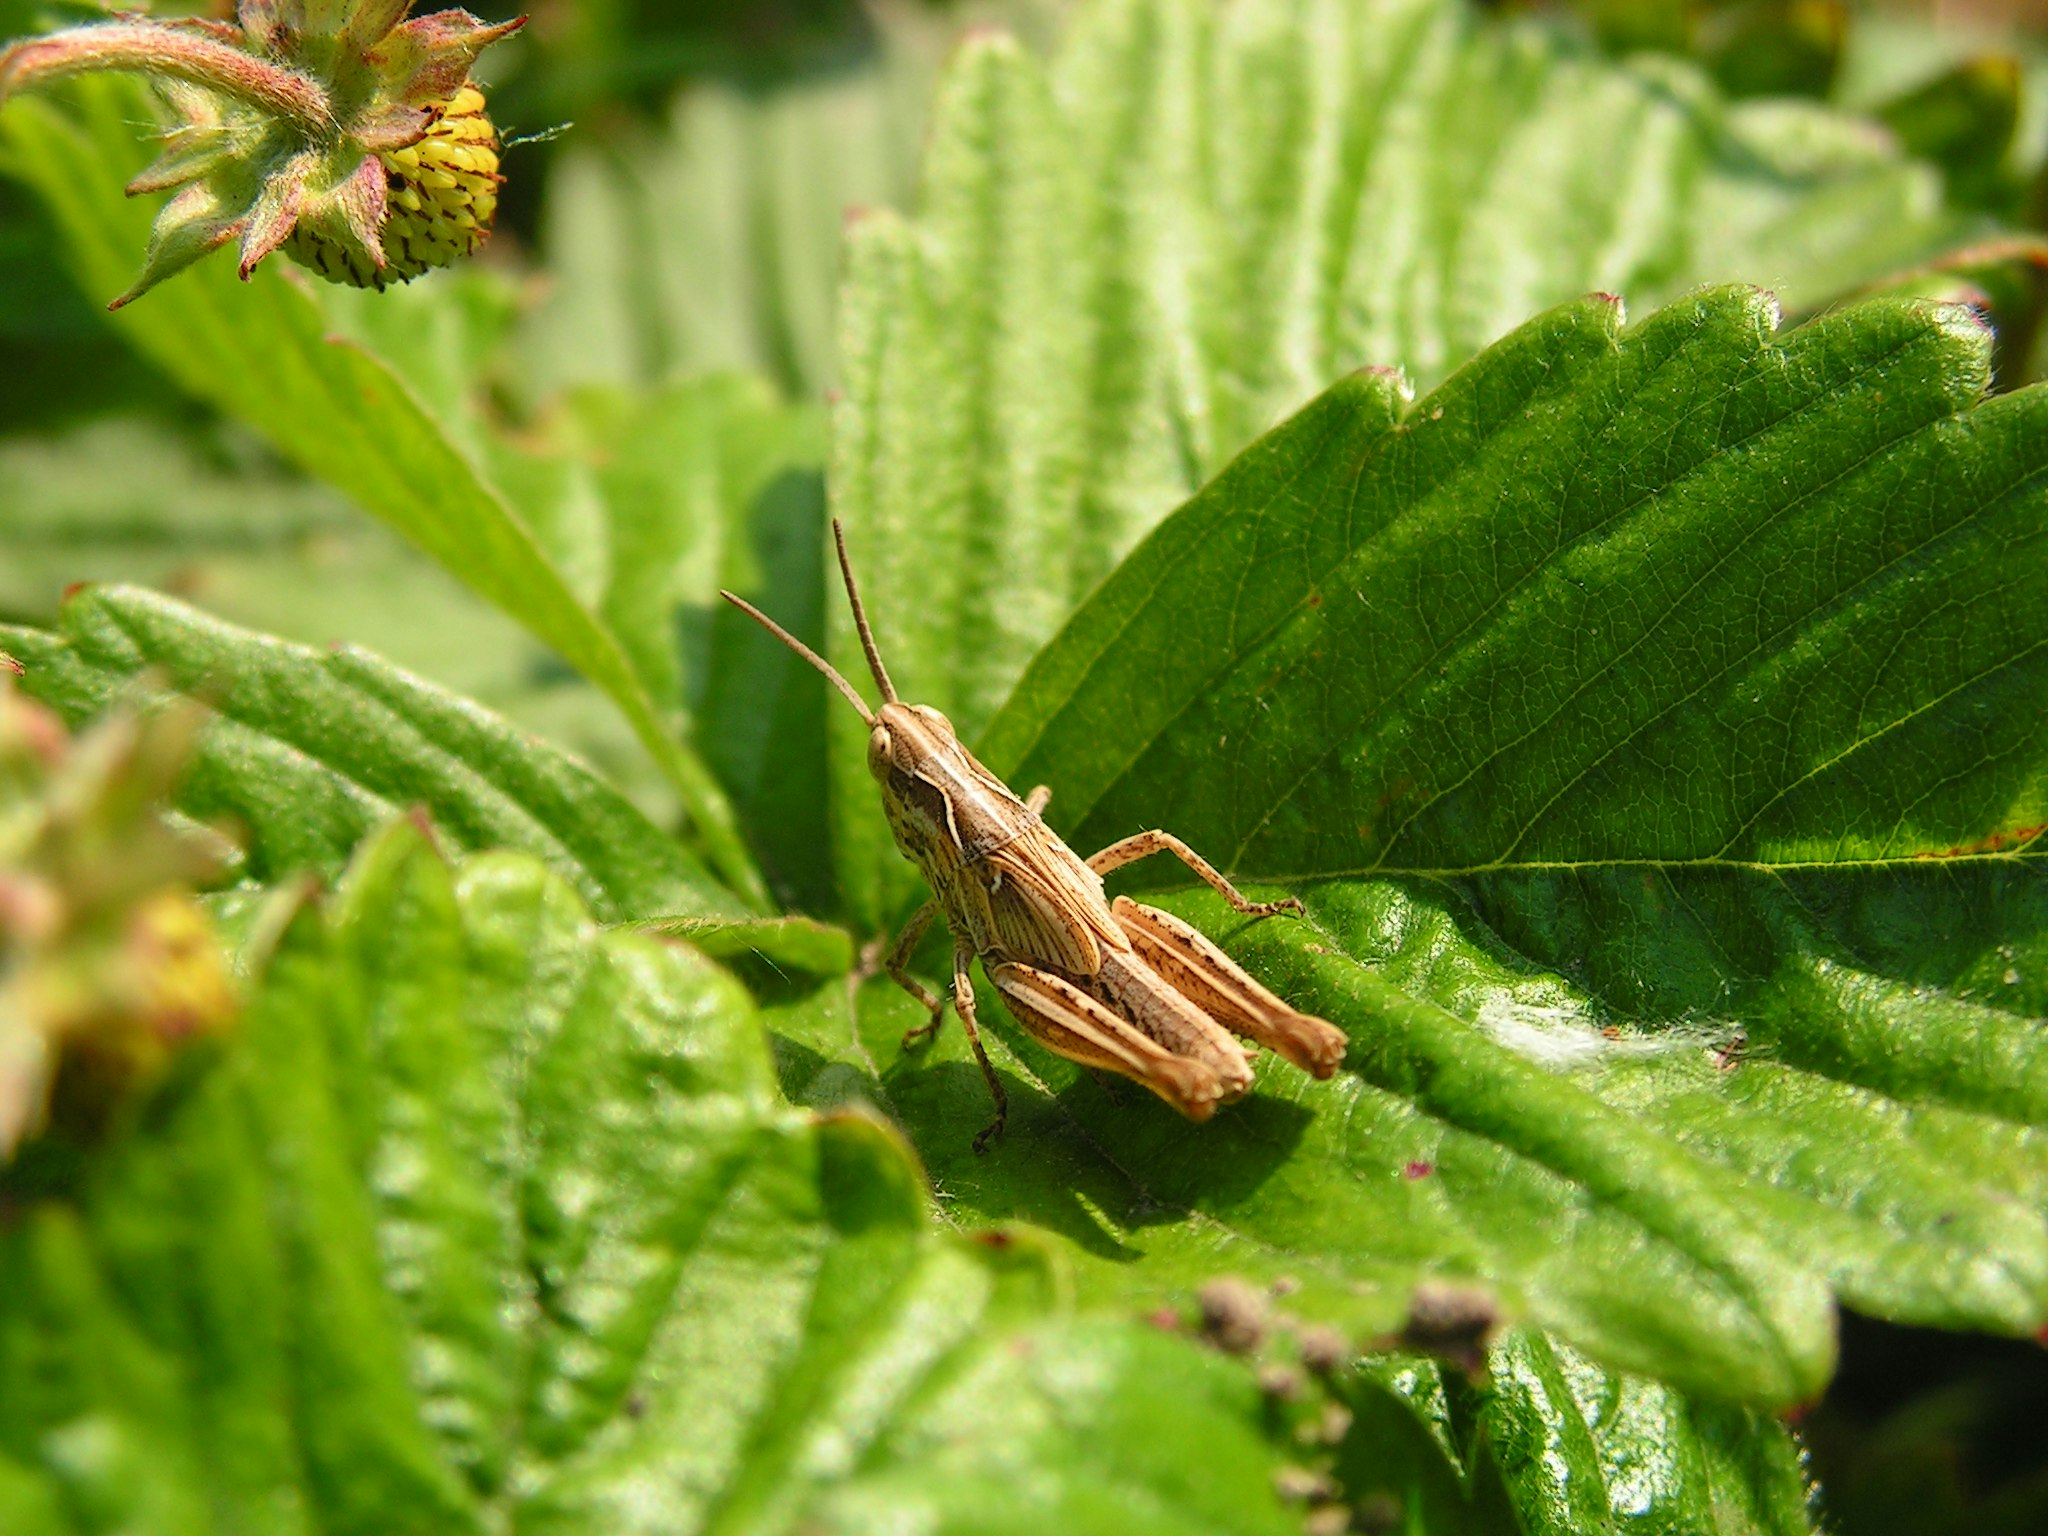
(488, 1220)
(310, 751)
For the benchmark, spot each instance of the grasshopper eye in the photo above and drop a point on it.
(878, 751)
(932, 717)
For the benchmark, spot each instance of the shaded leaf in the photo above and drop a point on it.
(708, 484)
(312, 750)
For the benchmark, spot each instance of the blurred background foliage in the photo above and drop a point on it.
(676, 218)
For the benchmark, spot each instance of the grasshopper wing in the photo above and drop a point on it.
(1046, 909)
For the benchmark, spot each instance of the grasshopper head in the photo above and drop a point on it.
(907, 737)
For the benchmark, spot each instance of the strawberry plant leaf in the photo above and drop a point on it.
(264, 352)
(714, 243)
(708, 484)
(1651, 721)
(1552, 1445)
(215, 521)
(713, 240)
(1573, 1448)
(800, 943)
(312, 750)
(486, 1219)
(1129, 262)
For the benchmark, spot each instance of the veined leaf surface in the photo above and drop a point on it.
(310, 751)
(1652, 721)
(1127, 263)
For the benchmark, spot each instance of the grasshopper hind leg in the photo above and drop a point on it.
(1143, 845)
(1220, 989)
(1070, 1023)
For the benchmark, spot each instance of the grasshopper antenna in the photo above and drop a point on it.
(867, 715)
(860, 620)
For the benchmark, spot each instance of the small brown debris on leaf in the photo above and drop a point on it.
(1302, 1485)
(1233, 1315)
(1454, 1322)
(1324, 1349)
(1282, 1383)
(1377, 1513)
(1326, 1428)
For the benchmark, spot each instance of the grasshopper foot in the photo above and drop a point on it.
(990, 1132)
(922, 1035)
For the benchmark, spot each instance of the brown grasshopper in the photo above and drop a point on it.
(1113, 985)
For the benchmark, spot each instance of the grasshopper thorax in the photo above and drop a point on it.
(940, 801)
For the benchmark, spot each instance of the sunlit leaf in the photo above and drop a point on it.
(488, 1218)
(1127, 263)
(1651, 720)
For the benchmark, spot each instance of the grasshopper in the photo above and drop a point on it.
(1113, 985)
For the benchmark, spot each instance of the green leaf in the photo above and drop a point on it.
(712, 241)
(816, 949)
(710, 484)
(1570, 1448)
(1551, 1445)
(263, 352)
(312, 750)
(207, 514)
(486, 1219)
(1636, 697)
(714, 244)
(1043, 1434)
(1127, 264)
(1962, 119)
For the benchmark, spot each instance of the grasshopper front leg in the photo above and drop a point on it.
(963, 1000)
(897, 964)
(1142, 845)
